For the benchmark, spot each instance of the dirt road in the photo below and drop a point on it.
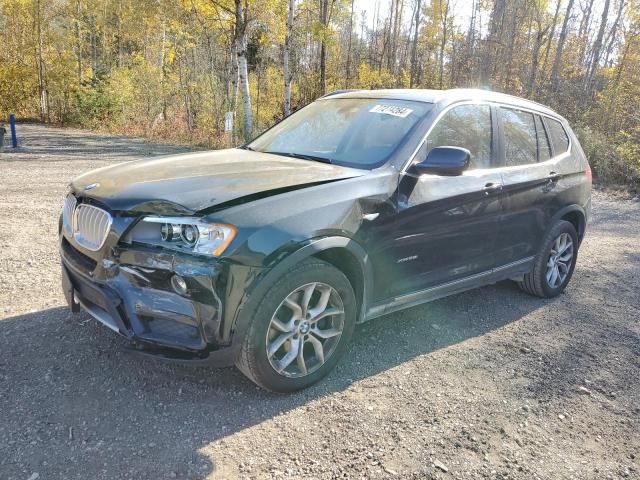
(487, 384)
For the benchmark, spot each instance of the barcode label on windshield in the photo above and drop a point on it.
(394, 110)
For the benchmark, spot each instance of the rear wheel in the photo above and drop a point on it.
(555, 262)
(300, 329)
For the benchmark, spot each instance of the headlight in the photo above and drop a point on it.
(169, 232)
(185, 233)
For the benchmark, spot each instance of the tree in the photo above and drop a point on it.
(325, 7)
(561, 41)
(539, 40)
(287, 52)
(414, 44)
(173, 69)
(597, 47)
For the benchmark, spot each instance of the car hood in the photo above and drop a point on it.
(184, 184)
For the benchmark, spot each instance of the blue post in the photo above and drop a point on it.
(12, 124)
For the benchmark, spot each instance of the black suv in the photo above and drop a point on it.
(360, 204)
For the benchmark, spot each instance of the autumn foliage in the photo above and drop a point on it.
(170, 69)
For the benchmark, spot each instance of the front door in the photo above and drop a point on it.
(445, 228)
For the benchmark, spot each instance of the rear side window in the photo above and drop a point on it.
(466, 126)
(520, 143)
(544, 151)
(558, 136)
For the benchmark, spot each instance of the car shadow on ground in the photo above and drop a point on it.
(66, 380)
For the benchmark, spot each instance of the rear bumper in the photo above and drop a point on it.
(137, 302)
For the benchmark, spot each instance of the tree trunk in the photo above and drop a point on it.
(585, 28)
(471, 53)
(78, 41)
(243, 70)
(535, 58)
(452, 63)
(512, 40)
(471, 35)
(563, 37)
(586, 19)
(233, 74)
(119, 35)
(348, 76)
(551, 35)
(163, 69)
(324, 20)
(42, 84)
(444, 18)
(629, 37)
(94, 51)
(285, 64)
(493, 44)
(611, 38)
(397, 23)
(597, 48)
(414, 45)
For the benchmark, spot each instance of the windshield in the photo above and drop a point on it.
(355, 132)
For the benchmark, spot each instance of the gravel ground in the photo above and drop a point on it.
(487, 384)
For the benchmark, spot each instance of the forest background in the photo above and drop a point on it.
(171, 69)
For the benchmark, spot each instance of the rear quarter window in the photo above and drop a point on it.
(558, 136)
(544, 151)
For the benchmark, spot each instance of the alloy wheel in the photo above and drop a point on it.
(305, 330)
(559, 262)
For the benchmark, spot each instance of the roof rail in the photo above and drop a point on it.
(505, 96)
(527, 100)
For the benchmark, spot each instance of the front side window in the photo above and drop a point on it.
(354, 132)
(520, 144)
(558, 136)
(466, 126)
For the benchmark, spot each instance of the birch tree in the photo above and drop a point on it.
(286, 72)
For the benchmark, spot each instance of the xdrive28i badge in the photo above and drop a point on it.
(91, 186)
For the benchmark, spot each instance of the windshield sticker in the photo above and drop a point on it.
(394, 110)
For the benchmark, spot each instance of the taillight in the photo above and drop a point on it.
(588, 173)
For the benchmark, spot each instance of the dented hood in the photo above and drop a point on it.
(184, 184)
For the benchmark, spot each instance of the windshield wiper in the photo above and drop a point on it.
(302, 156)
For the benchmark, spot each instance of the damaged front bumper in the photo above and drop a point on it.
(132, 294)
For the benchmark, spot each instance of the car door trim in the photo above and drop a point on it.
(450, 288)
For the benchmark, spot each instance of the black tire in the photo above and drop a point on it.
(253, 360)
(535, 282)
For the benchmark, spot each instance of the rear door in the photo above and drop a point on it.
(446, 227)
(529, 177)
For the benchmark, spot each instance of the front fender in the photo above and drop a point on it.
(238, 317)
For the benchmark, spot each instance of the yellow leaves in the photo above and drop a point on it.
(369, 78)
(170, 56)
(17, 87)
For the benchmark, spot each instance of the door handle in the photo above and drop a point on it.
(553, 176)
(491, 187)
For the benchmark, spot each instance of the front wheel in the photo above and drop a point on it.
(300, 329)
(555, 262)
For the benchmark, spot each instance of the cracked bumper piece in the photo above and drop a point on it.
(133, 296)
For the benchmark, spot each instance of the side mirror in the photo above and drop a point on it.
(446, 161)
